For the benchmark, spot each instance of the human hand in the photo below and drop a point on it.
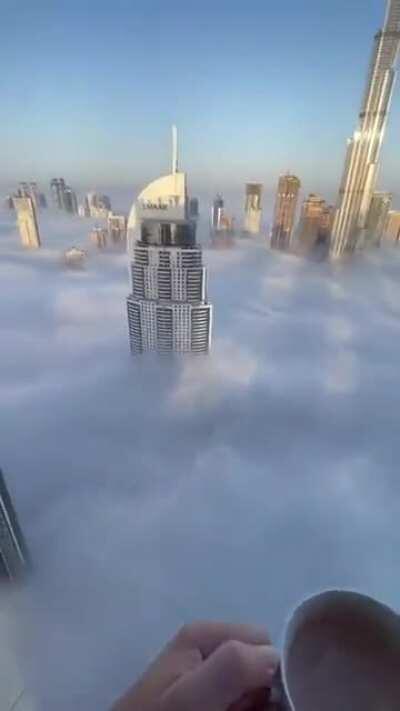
(208, 666)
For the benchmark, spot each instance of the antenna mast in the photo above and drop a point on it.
(174, 149)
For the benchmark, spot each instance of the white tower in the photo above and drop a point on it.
(168, 309)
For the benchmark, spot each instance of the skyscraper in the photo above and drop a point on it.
(194, 207)
(31, 190)
(64, 198)
(311, 229)
(252, 210)
(167, 309)
(98, 205)
(377, 218)
(117, 227)
(14, 557)
(217, 212)
(392, 231)
(285, 211)
(27, 222)
(57, 187)
(363, 153)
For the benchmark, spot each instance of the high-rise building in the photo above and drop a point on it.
(117, 228)
(70, 201)
(31, 190)
(194, 207)
(285, 211)
(363, 153)
(392, 230)
(27, 222)
(167, 309)
(98, 236)
(217, 212)
(14, 556)
(57, 188)
(64, 198)
(97, 206)
(312, 225)
(252, 210)
(377, 218)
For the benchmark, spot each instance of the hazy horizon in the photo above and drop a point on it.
(241, 86)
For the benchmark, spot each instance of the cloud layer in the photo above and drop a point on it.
(154, 492)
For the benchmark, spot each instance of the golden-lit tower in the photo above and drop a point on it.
(253, 210)
(285, 211)
(27, 222)
(363, 153)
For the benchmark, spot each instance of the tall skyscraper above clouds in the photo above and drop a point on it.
(285, 211)
(27, 222)
(168, 309)
(364, 149)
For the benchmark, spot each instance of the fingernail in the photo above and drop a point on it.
(272, 658)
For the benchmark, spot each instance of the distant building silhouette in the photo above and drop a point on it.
(117, 228)
(314, 226)
(217, 212)
(285, 211)
(64, 198)
(194, 207)
(252, 210)
(98, 237)
(95, 205)
(27, 222)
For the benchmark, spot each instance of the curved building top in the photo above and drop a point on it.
(163, 199)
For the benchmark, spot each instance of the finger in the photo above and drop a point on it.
(208, 636)
(233, 670)
(253, 701)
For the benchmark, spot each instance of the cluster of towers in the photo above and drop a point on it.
(362, 214)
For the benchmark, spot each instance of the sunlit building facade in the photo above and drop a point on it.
(285, 211)
(168, 309)
(392, 229)
(27, 222)
(364, 149)
(253, 209)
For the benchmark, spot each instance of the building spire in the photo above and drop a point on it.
(174, 150)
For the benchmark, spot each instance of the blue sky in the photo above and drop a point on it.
(89, 90)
